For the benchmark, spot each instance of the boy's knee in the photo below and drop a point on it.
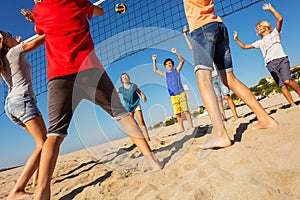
(227, 97)
(287, 82)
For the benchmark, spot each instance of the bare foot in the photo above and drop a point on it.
(216, 143)
(18, 195)
(272, 123)
(153, 162)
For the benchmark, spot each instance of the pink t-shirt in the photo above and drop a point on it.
(69, 45)
(200, 13)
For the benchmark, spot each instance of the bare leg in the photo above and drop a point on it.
(293, 85)
(231, 106)
(141, 122)
(37, 129)
(219, 136)
(180, 122)
(286, 93)
(137, 137)
(47, 165)
(264, 120)
(35, 177)
(221, 107)
(189, 118)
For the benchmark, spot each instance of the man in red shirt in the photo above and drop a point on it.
(75, 73)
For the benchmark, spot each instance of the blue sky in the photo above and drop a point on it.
(91, 126)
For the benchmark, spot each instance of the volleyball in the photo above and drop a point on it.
(120, 8)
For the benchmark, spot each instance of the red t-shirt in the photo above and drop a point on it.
(69, 45)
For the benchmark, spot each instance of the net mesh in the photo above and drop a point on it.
(110, 31)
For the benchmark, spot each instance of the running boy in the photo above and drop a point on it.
(276, 60)
(175, 87)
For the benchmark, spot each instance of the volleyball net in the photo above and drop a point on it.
(112, 28)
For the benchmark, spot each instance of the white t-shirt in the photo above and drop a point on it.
(17, 72)
(270, 46)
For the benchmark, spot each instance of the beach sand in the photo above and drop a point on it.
(262, 164)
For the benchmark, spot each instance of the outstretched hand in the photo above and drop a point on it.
(27, 14)
(235, 35)
(173, 50)
(267, 6)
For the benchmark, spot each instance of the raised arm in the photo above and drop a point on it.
(278, 17)
(181, 59)
(241, 44)
(33, 44)
(154, 57)
(27, 14)
(187, 38)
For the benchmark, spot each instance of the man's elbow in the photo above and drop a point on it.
(98, 11)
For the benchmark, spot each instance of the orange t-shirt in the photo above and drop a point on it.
(199, 13)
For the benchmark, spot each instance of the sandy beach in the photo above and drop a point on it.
(262, 164)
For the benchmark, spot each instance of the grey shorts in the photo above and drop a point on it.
(280, 70)
(21, 108)
(65, 93)
(219, 87)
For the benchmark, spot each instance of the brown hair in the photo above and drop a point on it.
(3, 51)
(122, 75)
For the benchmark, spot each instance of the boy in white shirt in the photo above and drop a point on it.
(275, 58)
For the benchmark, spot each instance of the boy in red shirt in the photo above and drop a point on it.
(75, 73)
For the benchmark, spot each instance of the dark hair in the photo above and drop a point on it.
(168, 59)
(122, 75)
(3, 52)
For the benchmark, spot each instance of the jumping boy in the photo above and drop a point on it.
(175, 87)
(276, 60)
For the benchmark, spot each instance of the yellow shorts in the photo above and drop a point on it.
(179, 103)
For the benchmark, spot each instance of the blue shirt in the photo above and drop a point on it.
(130, 96)
(174, 83)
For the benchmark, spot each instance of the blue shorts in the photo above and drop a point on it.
(280, 70)
(219, 87)
(211, 45)
(21, 108)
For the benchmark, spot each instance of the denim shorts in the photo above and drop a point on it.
(219, 87)
(21, 108)
(280, 70)
(211, 45)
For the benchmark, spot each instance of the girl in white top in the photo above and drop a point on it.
(275, 58)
